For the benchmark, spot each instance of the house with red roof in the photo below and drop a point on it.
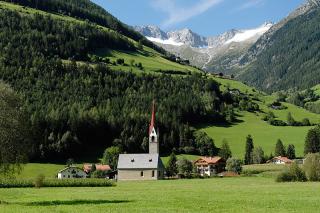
(99, 167)
(210, 166)
(280, 160)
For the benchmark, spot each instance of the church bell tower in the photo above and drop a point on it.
(153, 136)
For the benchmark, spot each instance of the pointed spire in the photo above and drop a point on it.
(153, 117)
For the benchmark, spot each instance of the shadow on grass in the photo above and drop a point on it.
(225, 124)
(66, 202)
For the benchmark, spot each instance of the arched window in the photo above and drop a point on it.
(141, 173)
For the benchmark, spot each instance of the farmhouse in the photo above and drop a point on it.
(71, 172)
(280, 160)
(143, 166)
(210, 166)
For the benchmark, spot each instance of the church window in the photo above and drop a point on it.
(150, 160)
(132, 160)
(152, 173)
(152, 138)
(141, 173)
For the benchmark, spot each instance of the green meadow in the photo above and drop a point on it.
(240, 194)
(151, 61)
(264, 134)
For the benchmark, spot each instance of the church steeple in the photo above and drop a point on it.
(153, 137)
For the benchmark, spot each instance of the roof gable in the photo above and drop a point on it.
(139, 161)
(208, 160)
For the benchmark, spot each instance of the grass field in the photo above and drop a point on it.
(264, 135)
(243, 194)
(151, 61)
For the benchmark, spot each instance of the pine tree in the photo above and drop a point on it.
(249, 149)
(291, 151)
(258, 155)
(172, 168)
(312, 143)
(280, 150)
(225, 151)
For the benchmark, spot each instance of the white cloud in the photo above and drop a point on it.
(178, 14)
(251, 3)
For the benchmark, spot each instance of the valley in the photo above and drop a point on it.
(100, 116)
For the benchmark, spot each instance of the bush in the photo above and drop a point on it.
(38, 183)
(292, 174)
(12, 183)
(99, 174)
(277, 123)
(312, 167)
(234, 165)
(185, 168)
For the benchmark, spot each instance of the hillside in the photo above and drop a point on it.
(264, 134)
(86, 86)
(287, 56)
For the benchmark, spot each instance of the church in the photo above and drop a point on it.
(147, 166)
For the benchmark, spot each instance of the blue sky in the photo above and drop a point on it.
(205, 17)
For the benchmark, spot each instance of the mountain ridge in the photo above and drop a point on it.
(203, 51)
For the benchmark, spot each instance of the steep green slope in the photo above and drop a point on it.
(78, 100)
(290, 58)
(264, 134)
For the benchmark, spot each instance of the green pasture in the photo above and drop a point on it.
(151, 61)
(240, 194)
(263, 134)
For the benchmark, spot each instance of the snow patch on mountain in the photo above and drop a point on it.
(169, 41)
(245, 35)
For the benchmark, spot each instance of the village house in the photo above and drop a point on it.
(280, 160)
(210, 166)
(143, 166)
(71, 172)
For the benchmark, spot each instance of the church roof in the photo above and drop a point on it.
(139, 161)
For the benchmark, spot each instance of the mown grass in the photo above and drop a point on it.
(241, 194)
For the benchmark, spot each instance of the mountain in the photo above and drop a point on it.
(87, 81)
(214, 53)
(287, 55)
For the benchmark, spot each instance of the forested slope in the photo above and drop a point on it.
(76, 106)
(291, 58)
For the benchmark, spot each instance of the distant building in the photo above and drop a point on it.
(210, 166)
(71, 172)
(143, 166)
(280, 160)
(99, 167)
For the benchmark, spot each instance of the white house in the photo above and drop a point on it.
(210, 166)
(280, 160)
(71, 172)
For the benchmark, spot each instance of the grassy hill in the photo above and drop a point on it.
(264, 134)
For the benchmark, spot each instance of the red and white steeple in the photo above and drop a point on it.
(153, 137)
